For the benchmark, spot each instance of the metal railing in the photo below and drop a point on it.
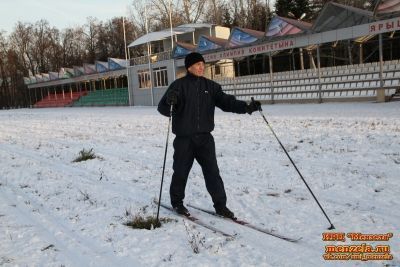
(166, 55)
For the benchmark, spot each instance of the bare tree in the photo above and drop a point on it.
(138, 17)
(258, 15)
(40, 43)
(193, 10)
(52, 54)
(115, 31)
(158, 13)
(21, 40)
(216, 11)
(91, 32)
(3, 67)
(102, 44)
(12, 91)
(72, 46)
(239, 13)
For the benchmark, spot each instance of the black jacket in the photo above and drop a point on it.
(197, 98)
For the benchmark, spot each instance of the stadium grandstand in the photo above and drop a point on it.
(346, 54)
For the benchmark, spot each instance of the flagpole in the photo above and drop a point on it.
(148, 57)
(127, 64)
(172, 38)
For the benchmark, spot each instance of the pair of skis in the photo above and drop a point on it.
(198, 221)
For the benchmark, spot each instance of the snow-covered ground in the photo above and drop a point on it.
(55, 212)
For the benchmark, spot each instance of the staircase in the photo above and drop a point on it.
(59, 100)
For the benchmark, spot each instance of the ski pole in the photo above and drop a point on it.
(165, 157)
(294, 165)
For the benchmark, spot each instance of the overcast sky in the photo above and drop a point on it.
(59, 13)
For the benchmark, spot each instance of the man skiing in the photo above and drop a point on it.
(194, 99)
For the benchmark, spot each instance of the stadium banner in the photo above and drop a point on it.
(180, 51)
(117, 64)
(101, 66)
(78, 71)
(239, 38)
(252, 50)
(89, 68)
(206, 45)
(279, 27)
(384, 26)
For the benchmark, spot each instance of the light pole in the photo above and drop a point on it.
(130, 92)
(172, 38)
(149, 58)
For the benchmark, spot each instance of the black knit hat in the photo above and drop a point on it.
(193, 58)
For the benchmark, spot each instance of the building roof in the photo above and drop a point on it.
(336, 16)
(197, 25)
(164, 34)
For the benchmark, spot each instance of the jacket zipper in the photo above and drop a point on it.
(198, 105)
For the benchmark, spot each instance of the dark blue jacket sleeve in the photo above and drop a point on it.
(163, 107)
(228, 103)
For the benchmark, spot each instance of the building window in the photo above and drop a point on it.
(217, 69)
(144, 79)
(160, 77)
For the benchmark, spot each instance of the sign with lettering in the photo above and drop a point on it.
(251, 50)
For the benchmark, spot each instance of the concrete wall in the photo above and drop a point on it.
(143, 97)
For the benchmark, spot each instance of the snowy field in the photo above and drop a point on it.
(54, 212)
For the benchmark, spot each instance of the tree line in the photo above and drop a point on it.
(37, 47)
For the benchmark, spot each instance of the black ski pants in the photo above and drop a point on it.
(202, 148)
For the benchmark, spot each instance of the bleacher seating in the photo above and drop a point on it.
(349, 81)
(59, 100)
(108, 97)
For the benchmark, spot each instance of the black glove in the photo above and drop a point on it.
(172, 97)
(253, 106)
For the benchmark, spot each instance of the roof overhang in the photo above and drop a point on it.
(164, 34)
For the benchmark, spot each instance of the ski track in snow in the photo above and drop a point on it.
(78, 250)
(55, 212)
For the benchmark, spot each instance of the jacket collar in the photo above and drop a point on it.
(192, 76)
